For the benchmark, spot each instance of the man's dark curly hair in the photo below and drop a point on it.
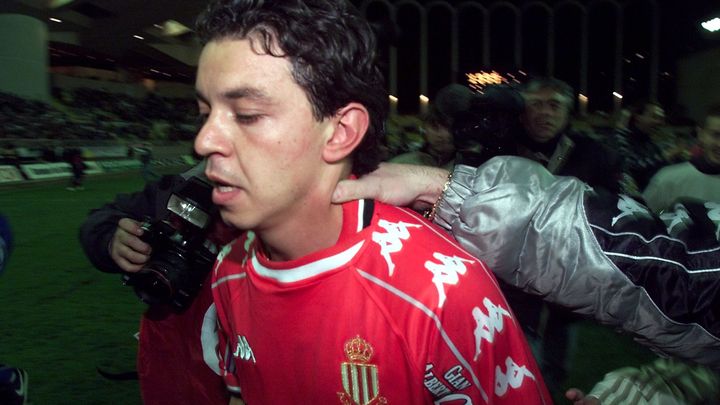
(330, 47)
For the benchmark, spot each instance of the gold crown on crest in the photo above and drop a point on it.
(358, 349)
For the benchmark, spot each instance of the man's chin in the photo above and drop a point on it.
(543, 137)
(235, 220)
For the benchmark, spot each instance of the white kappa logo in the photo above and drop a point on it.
(629, 207)
(221, 256)
(243, 350)
(391, 242)
(513, 377)
(488, 324)
(446, 272)
(678, 216)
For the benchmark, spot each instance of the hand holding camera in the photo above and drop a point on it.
(166, 260)
(127, 248)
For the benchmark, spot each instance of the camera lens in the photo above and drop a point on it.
(152, 286)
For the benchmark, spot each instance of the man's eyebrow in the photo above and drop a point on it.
(241, 92)
(246, 92)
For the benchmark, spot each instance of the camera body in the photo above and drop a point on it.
(182, 255)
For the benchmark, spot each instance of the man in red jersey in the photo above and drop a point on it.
(359, 303)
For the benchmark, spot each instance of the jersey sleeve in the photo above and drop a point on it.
(479, 352)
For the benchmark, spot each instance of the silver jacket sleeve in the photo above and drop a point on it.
(601, 255)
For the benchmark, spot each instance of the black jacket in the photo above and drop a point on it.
(579, 155)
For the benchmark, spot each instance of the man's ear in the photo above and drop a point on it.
(352, 124)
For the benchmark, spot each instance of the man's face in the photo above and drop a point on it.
(652, 118)
(709, 137)
(546, 114)
(262, 143)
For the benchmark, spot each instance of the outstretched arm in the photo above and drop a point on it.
(397, 184)
(605, 256)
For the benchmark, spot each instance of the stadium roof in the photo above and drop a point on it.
(137, 35)
(147, 36)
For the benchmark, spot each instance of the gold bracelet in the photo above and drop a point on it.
(430, 214)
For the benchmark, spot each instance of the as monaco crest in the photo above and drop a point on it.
(359, 378)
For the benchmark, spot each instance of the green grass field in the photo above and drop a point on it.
(60, 318)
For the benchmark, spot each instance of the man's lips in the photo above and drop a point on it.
(223, 195)
(223, 191)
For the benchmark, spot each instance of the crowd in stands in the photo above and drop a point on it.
(86, 114)
(96, 115)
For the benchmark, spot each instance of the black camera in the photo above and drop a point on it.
(182, 256)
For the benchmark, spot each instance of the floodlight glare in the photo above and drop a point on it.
(711, 25)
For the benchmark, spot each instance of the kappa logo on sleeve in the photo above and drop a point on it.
(631, 208)
(446, 272)
(391, 241)
(243, 350)
(679, 217)
(488, 323)
(513, 376)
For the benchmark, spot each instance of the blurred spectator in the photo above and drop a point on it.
(549, 139)
(535, 123)
(439, 149)
(697, 179)
(646, 145)
(74, 157)
(144, 153)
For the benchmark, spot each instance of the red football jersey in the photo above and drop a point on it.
(176, 362)
(395, 313)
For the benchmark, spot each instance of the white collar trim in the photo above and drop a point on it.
(308, 270)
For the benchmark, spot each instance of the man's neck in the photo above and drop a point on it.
(314, 225)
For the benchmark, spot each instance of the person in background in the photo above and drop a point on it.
(439, 149)
(77, 166)
(646, 146)
(13, 380)
(698, 179)
(549, 139)
(321, 303)
(144, 153)
(176, 362)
